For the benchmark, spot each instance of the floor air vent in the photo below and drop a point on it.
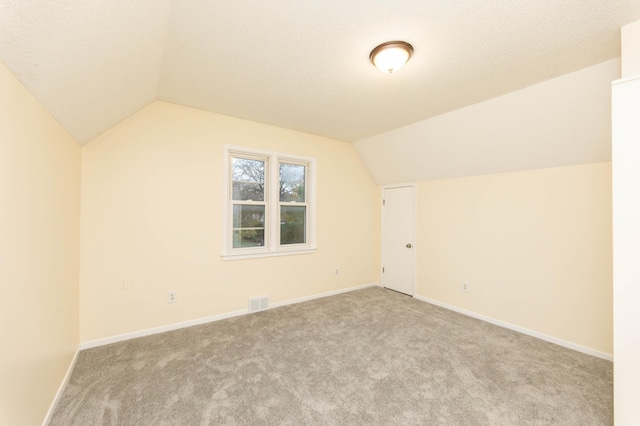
(257, 304)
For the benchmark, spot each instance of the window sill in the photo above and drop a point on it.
(254, 255)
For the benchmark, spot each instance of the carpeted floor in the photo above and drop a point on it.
(369, 357)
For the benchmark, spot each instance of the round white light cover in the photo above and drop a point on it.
(391, 59)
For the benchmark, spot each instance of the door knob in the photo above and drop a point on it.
(408, 245)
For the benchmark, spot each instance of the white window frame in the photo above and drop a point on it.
(272, 246)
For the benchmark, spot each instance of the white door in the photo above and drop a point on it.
(397, 239)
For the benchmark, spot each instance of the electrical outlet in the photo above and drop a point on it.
(127, 283)
(172, 296)
(465, 287)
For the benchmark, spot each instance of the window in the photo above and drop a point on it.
(269, 204)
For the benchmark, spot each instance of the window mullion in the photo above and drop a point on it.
(274, 192)
(278, 209)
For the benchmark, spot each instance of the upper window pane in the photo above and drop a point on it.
(248, 179)
(292, 186)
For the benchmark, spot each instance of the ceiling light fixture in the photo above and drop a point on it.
(391, 56)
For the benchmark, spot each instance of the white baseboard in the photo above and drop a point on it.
(63, 384)
(160, 329)
(184, 324)
(519, 329)
(321, 295)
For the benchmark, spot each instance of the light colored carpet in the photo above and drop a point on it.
(369, 357)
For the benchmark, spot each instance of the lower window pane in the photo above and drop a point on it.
(248, 238)
(293, 228)
(248, 216)
(248, 225)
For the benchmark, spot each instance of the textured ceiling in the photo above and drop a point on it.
(300, 65)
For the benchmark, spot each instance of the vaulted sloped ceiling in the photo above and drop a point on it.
(91, 63)
(302, 65)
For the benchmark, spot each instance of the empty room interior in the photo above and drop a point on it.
(218, 212)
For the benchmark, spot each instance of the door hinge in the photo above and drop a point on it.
(384, 202)
(383, 269)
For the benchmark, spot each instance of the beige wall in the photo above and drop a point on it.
(152, 191)
(534, 241)
(39, 240)
(630, 53)
(536, 247)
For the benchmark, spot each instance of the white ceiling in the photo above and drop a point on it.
(302, 65)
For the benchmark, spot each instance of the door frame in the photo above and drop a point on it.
(414, 217)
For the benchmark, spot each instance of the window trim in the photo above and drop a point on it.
(273, 203)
